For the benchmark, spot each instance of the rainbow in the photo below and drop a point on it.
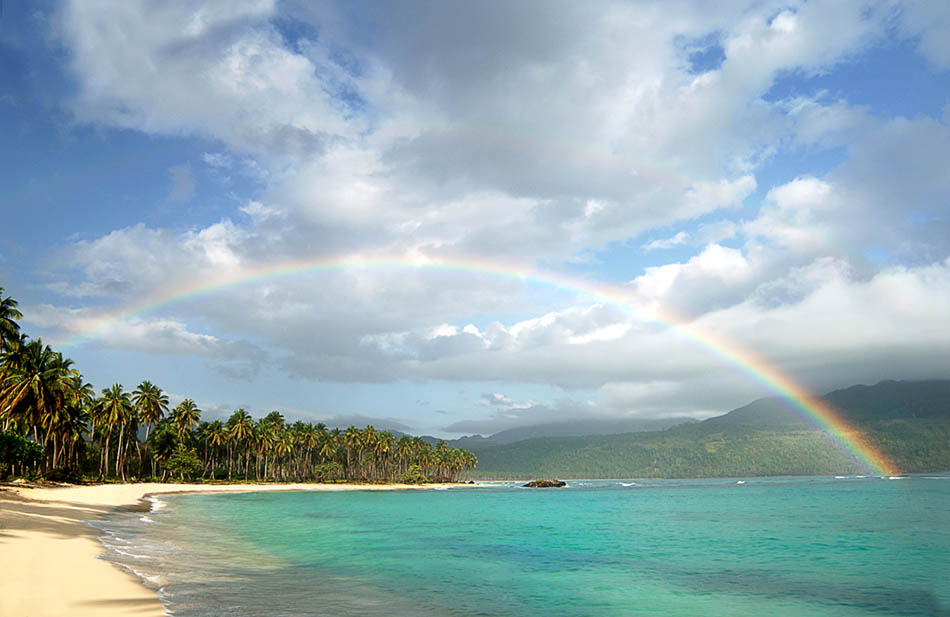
(806, 404)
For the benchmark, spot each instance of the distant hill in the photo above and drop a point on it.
(909, 421)
(883, 401)
(579, 428)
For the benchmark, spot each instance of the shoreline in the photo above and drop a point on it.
(52, 555)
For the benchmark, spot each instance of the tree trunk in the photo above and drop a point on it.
(118, 453)
(105, 451)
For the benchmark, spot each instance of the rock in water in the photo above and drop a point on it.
(545, 484)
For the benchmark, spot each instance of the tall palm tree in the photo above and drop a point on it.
(164, 442)
(73, 429)
(328, 446)
(35, 386)
(383, 450)
(9, 328)
(186, 417)
(404, 452)
(283, 448)
(352, 442)
(216, 436)
(265, 437)
(310, 441)
(115, 409)
(240, 430)
(150, 404)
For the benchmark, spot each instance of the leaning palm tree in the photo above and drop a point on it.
(34, 386)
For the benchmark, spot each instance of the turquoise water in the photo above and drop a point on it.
(787, 546)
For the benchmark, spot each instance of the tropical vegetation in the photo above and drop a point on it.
(54, 425)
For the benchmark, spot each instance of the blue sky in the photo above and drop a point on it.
(772, 172)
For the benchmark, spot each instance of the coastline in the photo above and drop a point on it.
(51, 552)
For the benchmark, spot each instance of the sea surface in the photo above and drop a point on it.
(828, 547)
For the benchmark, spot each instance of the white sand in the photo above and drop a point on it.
(49, 553)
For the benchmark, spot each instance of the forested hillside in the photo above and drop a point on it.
(909, 421)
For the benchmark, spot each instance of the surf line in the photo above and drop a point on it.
(811, 407)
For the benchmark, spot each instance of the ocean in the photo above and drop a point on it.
(828, 547)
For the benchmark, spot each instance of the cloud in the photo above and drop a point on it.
(928, 23)
(217, 71)
(712, 233)
(666, 243)
(496, 399)
(419, 140)
(506, 417)
(524, 134)
(233, 358)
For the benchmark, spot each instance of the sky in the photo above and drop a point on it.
(448, 217)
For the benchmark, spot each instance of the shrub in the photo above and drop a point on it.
(413, 476)
(17, 450)
(328, 472)
(183, 462)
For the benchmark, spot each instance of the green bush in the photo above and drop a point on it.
(413, 476)
(183, 462)
(17, 450)
(328, 472)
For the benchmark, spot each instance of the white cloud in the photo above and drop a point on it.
(666, 243)
(929, 22)
(525, 133)
(711, 233)
(153, 336)
(219, 71)
(716, 271)
(420, 141)
(496, 399)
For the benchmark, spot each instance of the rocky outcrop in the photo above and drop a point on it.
(545, 484)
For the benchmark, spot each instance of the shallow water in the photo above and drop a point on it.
(780, 546)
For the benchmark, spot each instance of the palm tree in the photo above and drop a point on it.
(240, 430)
(328, 446)
(215, 437)
(164, 442)
(265, 436)
(74, 429)
(310, 441)
(151, 404)
(115, 408)
(12, 359)
(383, 450)
(35, 386)
(9, 328)
(283, 448)
(404, 452)
(352, 442)
(370, 437)
(186, 417)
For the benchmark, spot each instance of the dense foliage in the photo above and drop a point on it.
(54, 425)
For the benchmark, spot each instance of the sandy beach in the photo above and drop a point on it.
(50, 552)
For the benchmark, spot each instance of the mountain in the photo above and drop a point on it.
(571, 429)
(885, 400)
(909, 421)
